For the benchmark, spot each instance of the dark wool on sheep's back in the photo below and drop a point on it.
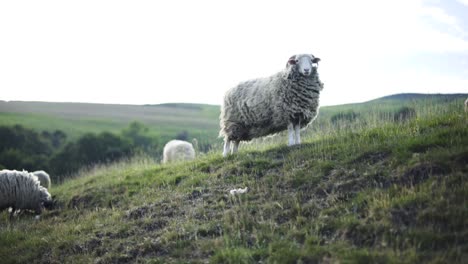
(265, 106)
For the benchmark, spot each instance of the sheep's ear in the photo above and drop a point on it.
(292, 60)
(316, 60)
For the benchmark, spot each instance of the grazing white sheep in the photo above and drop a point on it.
(22, 190)
(176, 150)
(44, 178)
(288, 100)
(466, 105)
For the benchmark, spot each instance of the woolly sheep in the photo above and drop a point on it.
(176, 150)
(22, 190)
(466, 105)
(288, 100)
(44, 178)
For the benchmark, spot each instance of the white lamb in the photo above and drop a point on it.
(22, 190)
(177, 150)
(288, 100)
(44, 178)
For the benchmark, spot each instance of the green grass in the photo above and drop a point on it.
(367, 192)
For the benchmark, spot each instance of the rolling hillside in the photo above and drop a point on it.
(76, 119)
(357, 191)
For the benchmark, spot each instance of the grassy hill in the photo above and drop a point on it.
(405, 97)
(424, 104)
(359, 190)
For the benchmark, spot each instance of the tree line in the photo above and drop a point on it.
(25, 148)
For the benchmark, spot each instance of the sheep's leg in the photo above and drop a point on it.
(227, 147)
(38, 212)
(235, 146)
(297, 130)
(12, 212)
(290, 134)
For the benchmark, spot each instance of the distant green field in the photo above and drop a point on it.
(76, 119)
(424, 104)
(200, 121)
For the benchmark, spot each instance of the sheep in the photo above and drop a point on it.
(288, 100)
(466, 105)
(22, 190)
(44, 178)
(176, 150)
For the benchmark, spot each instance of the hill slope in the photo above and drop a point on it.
(417, 96)
(394, 193)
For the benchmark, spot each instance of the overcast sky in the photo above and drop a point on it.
(149, 52)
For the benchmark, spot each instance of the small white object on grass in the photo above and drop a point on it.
(238, 191)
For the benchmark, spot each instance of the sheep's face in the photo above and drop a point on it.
(49, 204)
(44, 195)
(304, 63)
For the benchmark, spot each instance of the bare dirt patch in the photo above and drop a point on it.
(421, 172)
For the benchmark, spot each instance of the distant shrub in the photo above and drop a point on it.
(88, 150)
(348, 116)
(404, 114)
(183, 135)
(57, 138)
(23, 148)
(11, 158)
(141, 138)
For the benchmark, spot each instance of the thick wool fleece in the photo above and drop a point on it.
(44, 178)
(176, 150)
(21, 190)
(265, 106)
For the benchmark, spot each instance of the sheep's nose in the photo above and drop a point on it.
(306, 71)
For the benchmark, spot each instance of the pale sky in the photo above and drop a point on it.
(151, 52)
